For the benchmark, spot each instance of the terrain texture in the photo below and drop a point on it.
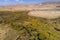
(30, 23)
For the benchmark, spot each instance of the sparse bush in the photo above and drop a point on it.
(32, 28)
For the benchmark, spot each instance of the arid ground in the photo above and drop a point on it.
(30, 22)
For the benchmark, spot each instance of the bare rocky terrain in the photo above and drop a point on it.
(45, 14)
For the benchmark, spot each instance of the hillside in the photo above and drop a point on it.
(46, 5)
(20, 26)
(18, 22)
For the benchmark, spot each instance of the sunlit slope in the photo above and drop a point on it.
(49, 14)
